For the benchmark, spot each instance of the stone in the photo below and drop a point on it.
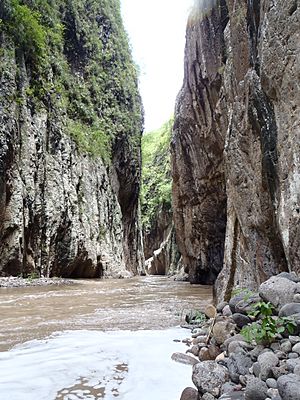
(291, 363)
(278, 291)
(220, 357)
(226, 311)
(256, 351)
(296, 298)
(221, 306)
(256, 389)
(256, 369)
(296, 348)
(184, 359)
(271, 383)
(275, 346)
(208, 396)
(288, 387)
(289, 309)
(199, 339)
(278, 371)
(272, 393)
(208, 376)
(210, 311)
(293, 355)
(237, 395)
(237, 347)
(297, 370)
(223, 330)
(294, 339)
(292, 276)
(194, 350)
(238, 364)
(240, 319)
(286, 346)
(267, 361)
(204, 354)
(189, 393)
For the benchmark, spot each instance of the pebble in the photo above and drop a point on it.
(296, 348)
(294, 339)
(271, 383)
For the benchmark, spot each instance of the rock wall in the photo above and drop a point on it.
(236, 143)
(63, 211)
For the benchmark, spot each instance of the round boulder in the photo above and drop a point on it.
(289, 387)
(256, 389)
(208, 376)
(278, 291)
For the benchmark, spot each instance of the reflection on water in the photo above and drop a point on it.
(130, 304)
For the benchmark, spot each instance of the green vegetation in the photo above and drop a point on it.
(156, 173)
(78, 61)
(266, 330)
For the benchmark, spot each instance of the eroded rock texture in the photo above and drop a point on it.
(236, 143)
(63, 212)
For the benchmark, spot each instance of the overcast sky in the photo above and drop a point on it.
(156, 30)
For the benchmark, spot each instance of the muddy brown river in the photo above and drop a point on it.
(96, 339)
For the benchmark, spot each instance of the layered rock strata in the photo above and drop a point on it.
(235, 148)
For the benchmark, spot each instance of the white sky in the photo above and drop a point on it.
(156, 30)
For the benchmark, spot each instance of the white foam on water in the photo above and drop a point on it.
(39, 369)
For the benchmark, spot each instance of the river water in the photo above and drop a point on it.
(96, 339)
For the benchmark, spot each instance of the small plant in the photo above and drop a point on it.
(246, 293)
(266, 330)
(195, 317)
(33, 275)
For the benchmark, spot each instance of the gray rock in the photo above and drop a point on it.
(296, 298)
(229, 387)
(281, 354)
(271, 383)
(238, 395)
(292, 276)
(278, 291)
(208, 376)
(272, 392)
(291, 363)
(208, 396)
(184, 358)
(237, 347)
(275, 346)
(286, 346)
(293, 355)
(297, 370)
(289, 387)
(238, 364)
(221, 306)
(256, 351)
(189, 393)
(278, 371)
(237, 337)
(256, 369)
(294, 339)
(241, 319)
(296, 348)
(226, 311)
(267, 361)
(256, 389)
(289, 309)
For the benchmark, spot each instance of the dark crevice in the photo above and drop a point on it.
(253, 21)
(293, 8)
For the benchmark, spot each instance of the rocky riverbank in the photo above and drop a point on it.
(249, 348)
(15, 282)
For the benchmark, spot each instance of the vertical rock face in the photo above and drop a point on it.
(199, 198)
(63, 211)
(255, 132)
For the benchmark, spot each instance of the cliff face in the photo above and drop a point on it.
(69, 141)
(236, 143)
(160, 247)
